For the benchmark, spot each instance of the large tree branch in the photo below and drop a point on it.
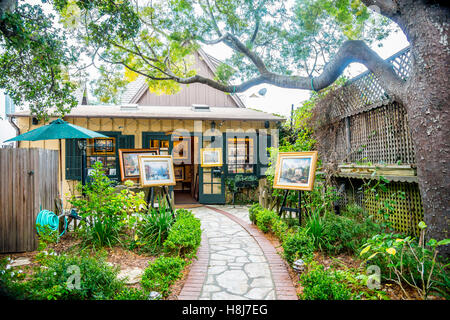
(388, 8)
(351, 51)
(357, 51)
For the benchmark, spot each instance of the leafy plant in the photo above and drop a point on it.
(408, 261)
(185, 234)
(105, 211)
(321, 284)
(264, 219)
(315, 228)
(130, 294)
(298, 245)
(252, 211)
(52, 280)
(153, 229)
(162, 273)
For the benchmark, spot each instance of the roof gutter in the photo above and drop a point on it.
(14, 125)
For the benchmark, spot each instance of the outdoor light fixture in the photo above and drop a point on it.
(213, 126)
(82, 144)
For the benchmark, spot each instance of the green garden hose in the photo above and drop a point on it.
(50, 219)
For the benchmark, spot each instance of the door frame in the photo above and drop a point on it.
(211, 198)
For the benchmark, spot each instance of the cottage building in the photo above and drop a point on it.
(181, 125)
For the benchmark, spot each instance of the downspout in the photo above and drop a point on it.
(10, 120)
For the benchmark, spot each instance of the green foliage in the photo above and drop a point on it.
(185, 234)
(50, 281)
(264, 219)
(405, 260)
(162, 273)
(34, 60)
(339, 234)
(267, 220)
(105, 211)
(252, 212)
(321, 284)
(130, 294)
(239, 180)
(153, 229)
(298, 245)
(47, 235)
(379, 191)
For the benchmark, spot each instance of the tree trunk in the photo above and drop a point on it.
(426, 98)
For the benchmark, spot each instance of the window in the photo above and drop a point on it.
(106, 152)
(240, 155)
(163, 145)
(102, 150)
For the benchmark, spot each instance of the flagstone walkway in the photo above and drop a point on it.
(235, 260)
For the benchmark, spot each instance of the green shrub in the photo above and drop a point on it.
(51, 281)
(280, 228)
(298, 245)
(253, 210)
(264, 219)
(321, 284)
(162, 273)
(153, 229)
(185, 234)
(131, 294)
(343, 234)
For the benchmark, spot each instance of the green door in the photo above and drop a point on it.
(212, 179)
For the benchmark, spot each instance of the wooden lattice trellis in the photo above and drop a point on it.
(365, 91)
(364, 125)
(407, 213)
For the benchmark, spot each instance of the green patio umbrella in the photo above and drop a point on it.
(58, 129)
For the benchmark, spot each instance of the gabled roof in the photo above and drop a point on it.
(136, 89)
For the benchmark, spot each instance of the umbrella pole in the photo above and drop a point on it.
(60, 176)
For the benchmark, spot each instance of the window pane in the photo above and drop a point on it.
(206, 177)
(217, 188)
(206, 189)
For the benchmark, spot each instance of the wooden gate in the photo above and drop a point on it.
(28, 182)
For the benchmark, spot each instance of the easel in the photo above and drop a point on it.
(151, 198)
(298, 210)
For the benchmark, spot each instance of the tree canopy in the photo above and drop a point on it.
(284, 43)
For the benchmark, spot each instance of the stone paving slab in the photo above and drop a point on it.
(235, 261)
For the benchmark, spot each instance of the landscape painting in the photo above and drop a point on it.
(211, 157)
(295, 170)
(129, 164)
(156, 171)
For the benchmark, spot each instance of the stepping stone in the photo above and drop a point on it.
(133, 275)
(226, 296)
(20, 262)
(258, 293)
(234, 281)
(261, 283)
(256, 270)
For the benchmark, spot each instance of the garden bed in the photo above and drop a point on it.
(122, 250)
(346, 272)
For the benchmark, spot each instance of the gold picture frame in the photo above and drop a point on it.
(295, 170)
(211, 157)
(179, 173)
(129, 162)
(156, 171)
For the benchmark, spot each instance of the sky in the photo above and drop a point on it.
(279, 100)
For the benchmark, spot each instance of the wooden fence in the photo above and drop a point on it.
(28, 182)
